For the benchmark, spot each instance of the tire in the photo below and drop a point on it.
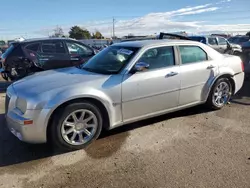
(61, 141)
(211, 101)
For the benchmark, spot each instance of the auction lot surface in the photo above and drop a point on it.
(191, 148)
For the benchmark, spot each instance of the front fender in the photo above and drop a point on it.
(114, 111)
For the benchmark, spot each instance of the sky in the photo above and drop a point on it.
(32, 18)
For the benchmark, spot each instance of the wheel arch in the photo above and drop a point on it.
(225, 75)
(96, 102)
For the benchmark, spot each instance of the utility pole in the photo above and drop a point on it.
(113, 27)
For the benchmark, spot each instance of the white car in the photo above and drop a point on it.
(124, 83)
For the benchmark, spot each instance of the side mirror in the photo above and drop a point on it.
(140, 66)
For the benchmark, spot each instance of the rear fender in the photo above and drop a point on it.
(208, 88)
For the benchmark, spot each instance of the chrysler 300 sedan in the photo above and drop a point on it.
(124, 83)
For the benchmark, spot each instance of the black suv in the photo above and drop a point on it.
(33, 55)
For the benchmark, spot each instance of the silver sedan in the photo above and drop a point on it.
(124, 83)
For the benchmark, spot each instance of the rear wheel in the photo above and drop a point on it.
(220, 94)
(76, 126)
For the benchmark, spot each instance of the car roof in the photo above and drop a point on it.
(43, 39)
(146, 43)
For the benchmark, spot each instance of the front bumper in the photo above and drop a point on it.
(33, 132)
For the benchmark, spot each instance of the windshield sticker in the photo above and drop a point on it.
(125, 51)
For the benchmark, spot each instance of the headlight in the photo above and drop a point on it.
(21, 104)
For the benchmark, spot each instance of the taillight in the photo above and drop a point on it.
(242, 66)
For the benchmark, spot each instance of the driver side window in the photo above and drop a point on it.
(77, 49)
(157, 58)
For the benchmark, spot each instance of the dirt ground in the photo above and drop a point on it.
(191, 148)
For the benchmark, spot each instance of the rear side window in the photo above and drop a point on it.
(222, 41)
(56, 47)
(212, 41)
(192, 54)
(33, 47)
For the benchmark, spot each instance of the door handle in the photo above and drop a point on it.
(210, 67)
(74, 59)
(171, 74)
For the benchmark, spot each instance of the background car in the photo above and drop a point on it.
(218, 43)
(3, 46)
(28, 56)
(123, 83)
(239, 39)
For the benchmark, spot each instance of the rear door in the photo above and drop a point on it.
(31, 51)
(78, 52)
(196, 71)
(53, 55)
(155, 89)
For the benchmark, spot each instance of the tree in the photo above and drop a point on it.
(98, 35)
(58, 32)
(78, 33)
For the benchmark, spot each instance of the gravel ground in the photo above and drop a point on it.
(191, 148)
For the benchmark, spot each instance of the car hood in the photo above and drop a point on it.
(235, 45)
(53, 79)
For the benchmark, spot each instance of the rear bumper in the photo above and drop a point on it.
(238, 80)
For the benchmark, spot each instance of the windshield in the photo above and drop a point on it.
(110, 60)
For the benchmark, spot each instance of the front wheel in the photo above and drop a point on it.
(220, 94)
(76, 126)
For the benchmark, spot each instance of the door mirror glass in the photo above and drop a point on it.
(140, 66)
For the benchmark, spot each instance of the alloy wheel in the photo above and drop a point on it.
(79, 127)
(221, 94)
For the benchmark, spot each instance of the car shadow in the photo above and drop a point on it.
(242, 96)
(3, 86)
(13, 151)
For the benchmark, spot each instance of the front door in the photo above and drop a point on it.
(53, 55)
(79, 53)
(196, 72)
(153, 90)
